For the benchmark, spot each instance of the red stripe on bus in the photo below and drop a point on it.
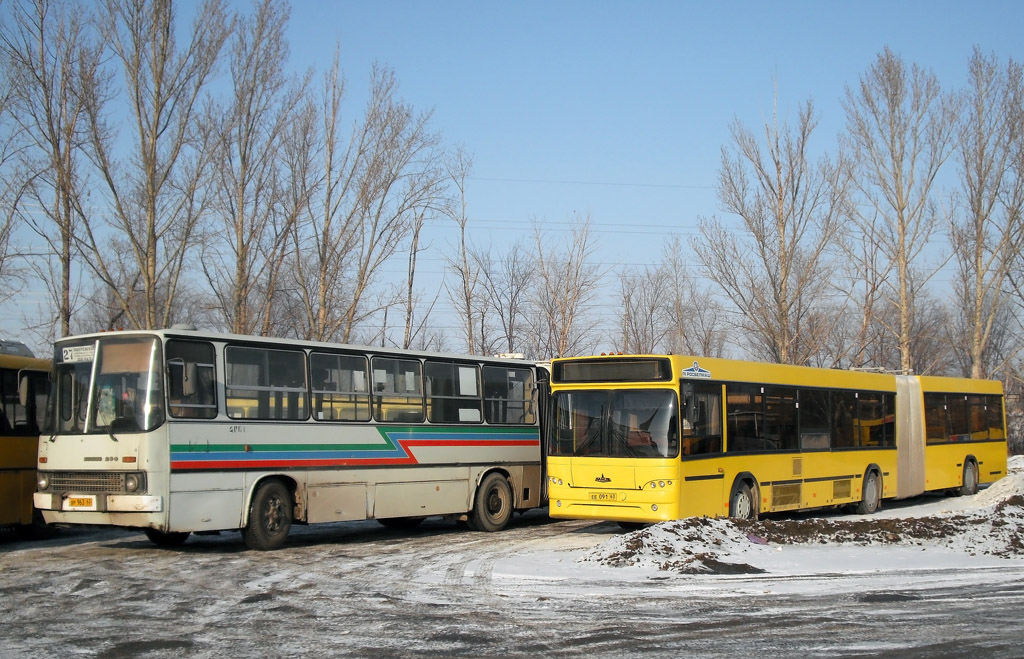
(341, 462)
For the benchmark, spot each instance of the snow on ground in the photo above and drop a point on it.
(928, 533)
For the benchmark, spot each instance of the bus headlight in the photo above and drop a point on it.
(43, 481)
(131, 482)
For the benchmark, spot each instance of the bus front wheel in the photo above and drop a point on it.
(741, 503)
(970, 482)
(270, 517)
(493, 506)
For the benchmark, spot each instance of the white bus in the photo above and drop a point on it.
(178, 432)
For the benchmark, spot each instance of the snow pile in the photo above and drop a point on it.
(1004, 489)
(989, 523)
(692, 545)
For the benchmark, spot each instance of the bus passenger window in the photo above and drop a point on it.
(815, 428)
(746, 417)
(935, 418)
(844, 409)
(702, 424)
(191, 380)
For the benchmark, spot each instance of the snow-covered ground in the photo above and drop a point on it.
(925, 534)
(929, 577)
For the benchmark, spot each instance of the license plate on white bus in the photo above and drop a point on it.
(604, 496)
(82, 502)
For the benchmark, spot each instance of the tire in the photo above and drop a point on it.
(161, 539)
(492, 508)
(400, 523)
(871, 495)
(270, 517)
(741, 503)
(632, 526)
(969, 484)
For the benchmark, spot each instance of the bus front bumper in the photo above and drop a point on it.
(112, 503)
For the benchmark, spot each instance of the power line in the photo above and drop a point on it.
(619, 184)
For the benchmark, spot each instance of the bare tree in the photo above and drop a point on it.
(9, 189)
(644, 296)
(989, 235)
(866, 279)
(506, 281)
(370, 190)
(465, 293)
(416, 332)
(931, 350)
(777, 276)
(252, 213)
(901, 129)
(695, 320)
(51, 53)
(566, 282)
(156, 197)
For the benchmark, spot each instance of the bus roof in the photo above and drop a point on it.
(182, 333)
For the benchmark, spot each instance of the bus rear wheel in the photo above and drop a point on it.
(162, 539)
(871, 497)
(969, 485)
(493, 506)
(270, 517)
(741, 503)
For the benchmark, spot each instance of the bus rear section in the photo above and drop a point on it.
(24, 387)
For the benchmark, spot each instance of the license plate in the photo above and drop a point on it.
(81, 503)
(604, 496)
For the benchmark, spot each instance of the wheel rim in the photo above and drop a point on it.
(741, 505)
(273, 517)
(871, 490)
(495, 502)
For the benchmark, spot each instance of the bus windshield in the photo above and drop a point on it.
(110, 386)
(635, 423)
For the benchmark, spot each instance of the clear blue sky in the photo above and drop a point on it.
(619, 110)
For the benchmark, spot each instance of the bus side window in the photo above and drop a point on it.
(191, 380)
(702, 418)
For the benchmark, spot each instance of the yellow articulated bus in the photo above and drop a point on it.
(24, 387)
(648, 438)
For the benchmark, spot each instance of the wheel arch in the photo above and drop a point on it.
(747, 478)
(506, 474)
(290, 484)
(873, 467)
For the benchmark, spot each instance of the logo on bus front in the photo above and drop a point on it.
(696, 371)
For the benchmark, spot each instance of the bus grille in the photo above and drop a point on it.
(86, 482)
